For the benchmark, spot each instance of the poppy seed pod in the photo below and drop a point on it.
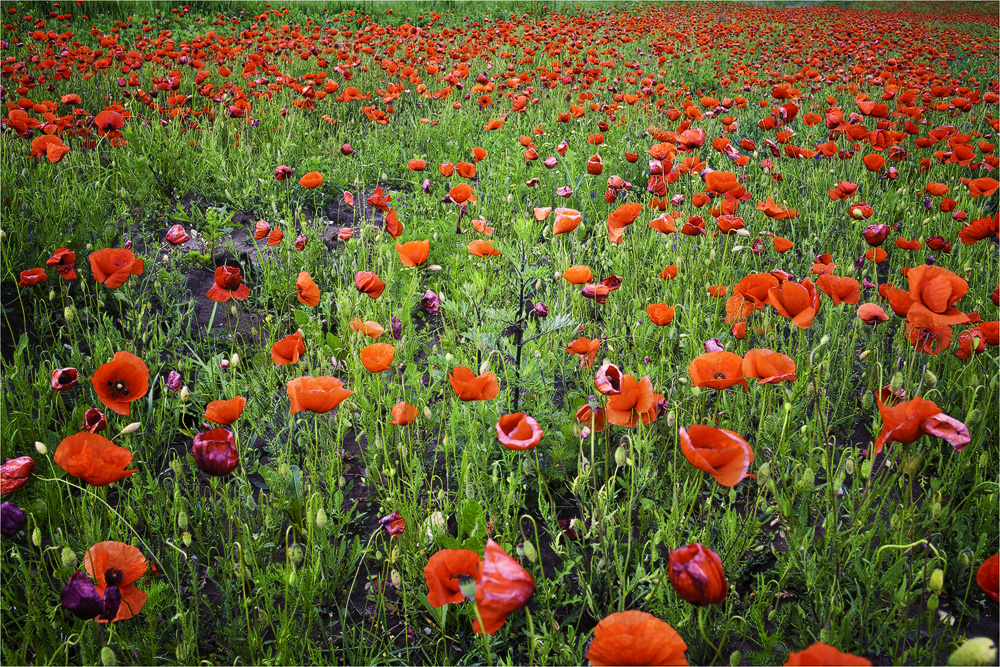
(215, 452)
(696, 574)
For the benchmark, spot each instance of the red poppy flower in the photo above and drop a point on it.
(316, 394)
(108, 121)
(988, 577)
(768, 367)
(225, 412)
(120, 565)
(660, 314)
(587, 349)
(176, 235)
(52, 147)
(14, 473)
(310, 180)
(64, 260)
(413, 253)
(113, 266)
(622, 217)
(749, 294)
(781, 245)
(871, 313)
(518, 432)
(717, 370)
(934, 291)
(840, 289)
(591, 418)
(608, 380)
(696, 574)
(908, 420)
(94, 421)
(503, 587)
(64, 378)
(288, 349)
(120, 381)
(306, 290)
(403, 413)
(635, 638)
(274, 237)
(636, 399)
(416, 164)
(444, 572)
(821, 654)
(461, 193)
(798, 302)
(377, 357)
(446, 169)
(215, 451)
(772, 210)
(369, 283)
(471, 387)
(665, 224)
(93, 458)
(282, 172)
(669, 272)
(228, 284)
(722, 453)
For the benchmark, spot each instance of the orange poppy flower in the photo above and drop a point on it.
(982, 187)
(871, 313)
(120, 381)
(622, 217)
(717, 370)
(471, 387)
(771, 209)
(904, 421)
(936, 189)
(635, 400)
(316, 394)
(591, 418)
(587, 349)
(669, 272)
(261, 229)
(446, 169)
(480, 248)
(840, 289)
(722, 453)
(416, 165)
(393, 227)
(113, 266)
(988, 577)
(665, 224)
(781, 244)
(466, 169)
(369, 283)
(367, 327)
(413, 253)
(50, 146)
(749, 294)
(503, 587)
(274, 238)
(566, 220)
(541, 214)
(635, 638)
(306, 290)
(377, 357)
(768, 367)
(822, 654)
(461, 193)
(93, 458)
(874, 162)
(288, 349)
(403, 413)
(481, 227)
(696, 574)
(518, 432)
(311, 180)
(578, 275)
(929, 340)
(443, 574)
(935, 290)
(479, 154)
(117, 564)
(225, 412)
(660, 314)
(798, 302)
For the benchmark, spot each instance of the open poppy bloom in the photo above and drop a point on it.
(823, 654)
(316, 394)
(113, 266)
(119, 565)
(14, 473)
(566, 219)
(988, 577)
(461, 193)
(635, 401)
(908, 420)
(749, 294)
(665, 224)
(591, 418)
(306, 290)
(310, 180)
(622, 217)
(768, 366)
(64, 260)
(93, 458)
(403, 413)
(635, 638)
(413, 253)
(871, 314)
(717, 370)
(578, 275)
(369, 283)
(215, 452)
(480, 248)
(367, 327)
(587, 349)
(64, 378)
(471, 387)
(503, 587)
(696, 574)
(52, 147)
(225, 412)
(377, 357)
(660, 314)
(518, 432)
(798, 302)
(722, 453)
(840, 289)
(120, 381)
(444, 572)
(288, 349)
(228, 284)
(934, 290)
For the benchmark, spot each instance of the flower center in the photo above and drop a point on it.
(719, 376)
(113, 576)
(119, 388)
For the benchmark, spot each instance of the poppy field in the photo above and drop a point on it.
(499, 333)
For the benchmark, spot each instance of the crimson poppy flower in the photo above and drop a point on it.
(120, 381)
(119, 565)
(225, 412)
(306, 290)
(635, 638)
(988, 577)
(403, 413)
(660, 314)
(503, 587)
(471, 387)
(228, 284)
(93, 458)
(113, 266)
(14, 473)
(518, 432)
(215, 451)
(64, 260)
(798, 302)
(717, 370)
(466, 169)
(591, 418)
(768, 367)
(875, 235)
(108, 121)
(377, 357)
(444, 572)
(32, 277)
(64, 378)
(369, 283)
(599, 293)
(578, 275)
(316, 394)
(367, 327)
(871, 313)
(823, 654)
(413, 253)
(696, 574)
(595, 165)
(288, 349)
(722, 453)
(566, 219)
(94, 421)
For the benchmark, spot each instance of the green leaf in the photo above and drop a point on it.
(301, 319)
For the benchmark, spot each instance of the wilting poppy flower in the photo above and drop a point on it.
(934, 291)
(228, 284)
(587, 349)
(94, 421)
(444, 572)
(503, 587)
(480, 248)
(311, 180)
(12, 519)
(394, 524)
(798, 302)
(518, 432)
(369, 283)
(288, 349)
(93, 458)
(929, 340)
(988, 577)
(367, 327)
(64, 378)
(115, 564)
(578, 275)
(430, 302)
(722, 453)
(64, 260)
(717, 370)
(471, 387)
(80, 597)
(660, 314)
(306, 289)
(821, 654)
(176, 235)
(113, 266)
(840, 289)
(225, 412)
(261, 230)
(14, 473)
(377, 357)
(608, 380)
(636, 399)
(120, 381)
(908, 420)
(696, 574)
(588, 417)
(215, 451)
(403, 413)
(871, 313)
(566, 219)
(413, 253)
(316, 394)
(768, 367)
(635, 638)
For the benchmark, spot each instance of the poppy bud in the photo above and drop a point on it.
(975, 414)
(696, 574)
(963, 559)
(41, 448)
(397, 327)
(621, 456)
(108, 658)
(215, 452)
(530, 552)
(295, 554)
(36, 536)
(936, 581)
(807, 480)
(321, 518)
(12, 519)
(80, 598)
(68, 557)
(69, 313)
(346, 150)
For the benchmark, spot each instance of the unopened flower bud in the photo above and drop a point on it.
(530, 552)
(321, 519)
(975, 651)
(621, 455)
(182, 520)
(108, 658)
(41, 448)
(936, 582)
(295, 554)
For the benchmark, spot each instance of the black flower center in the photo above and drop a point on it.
(113, 576)
(118, 388)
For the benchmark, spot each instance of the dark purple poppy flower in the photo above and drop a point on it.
(12, 519)
(112, 600)
(174, 381)
(80, 597)
(426, 185)
(397, 327)
(713, 345)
